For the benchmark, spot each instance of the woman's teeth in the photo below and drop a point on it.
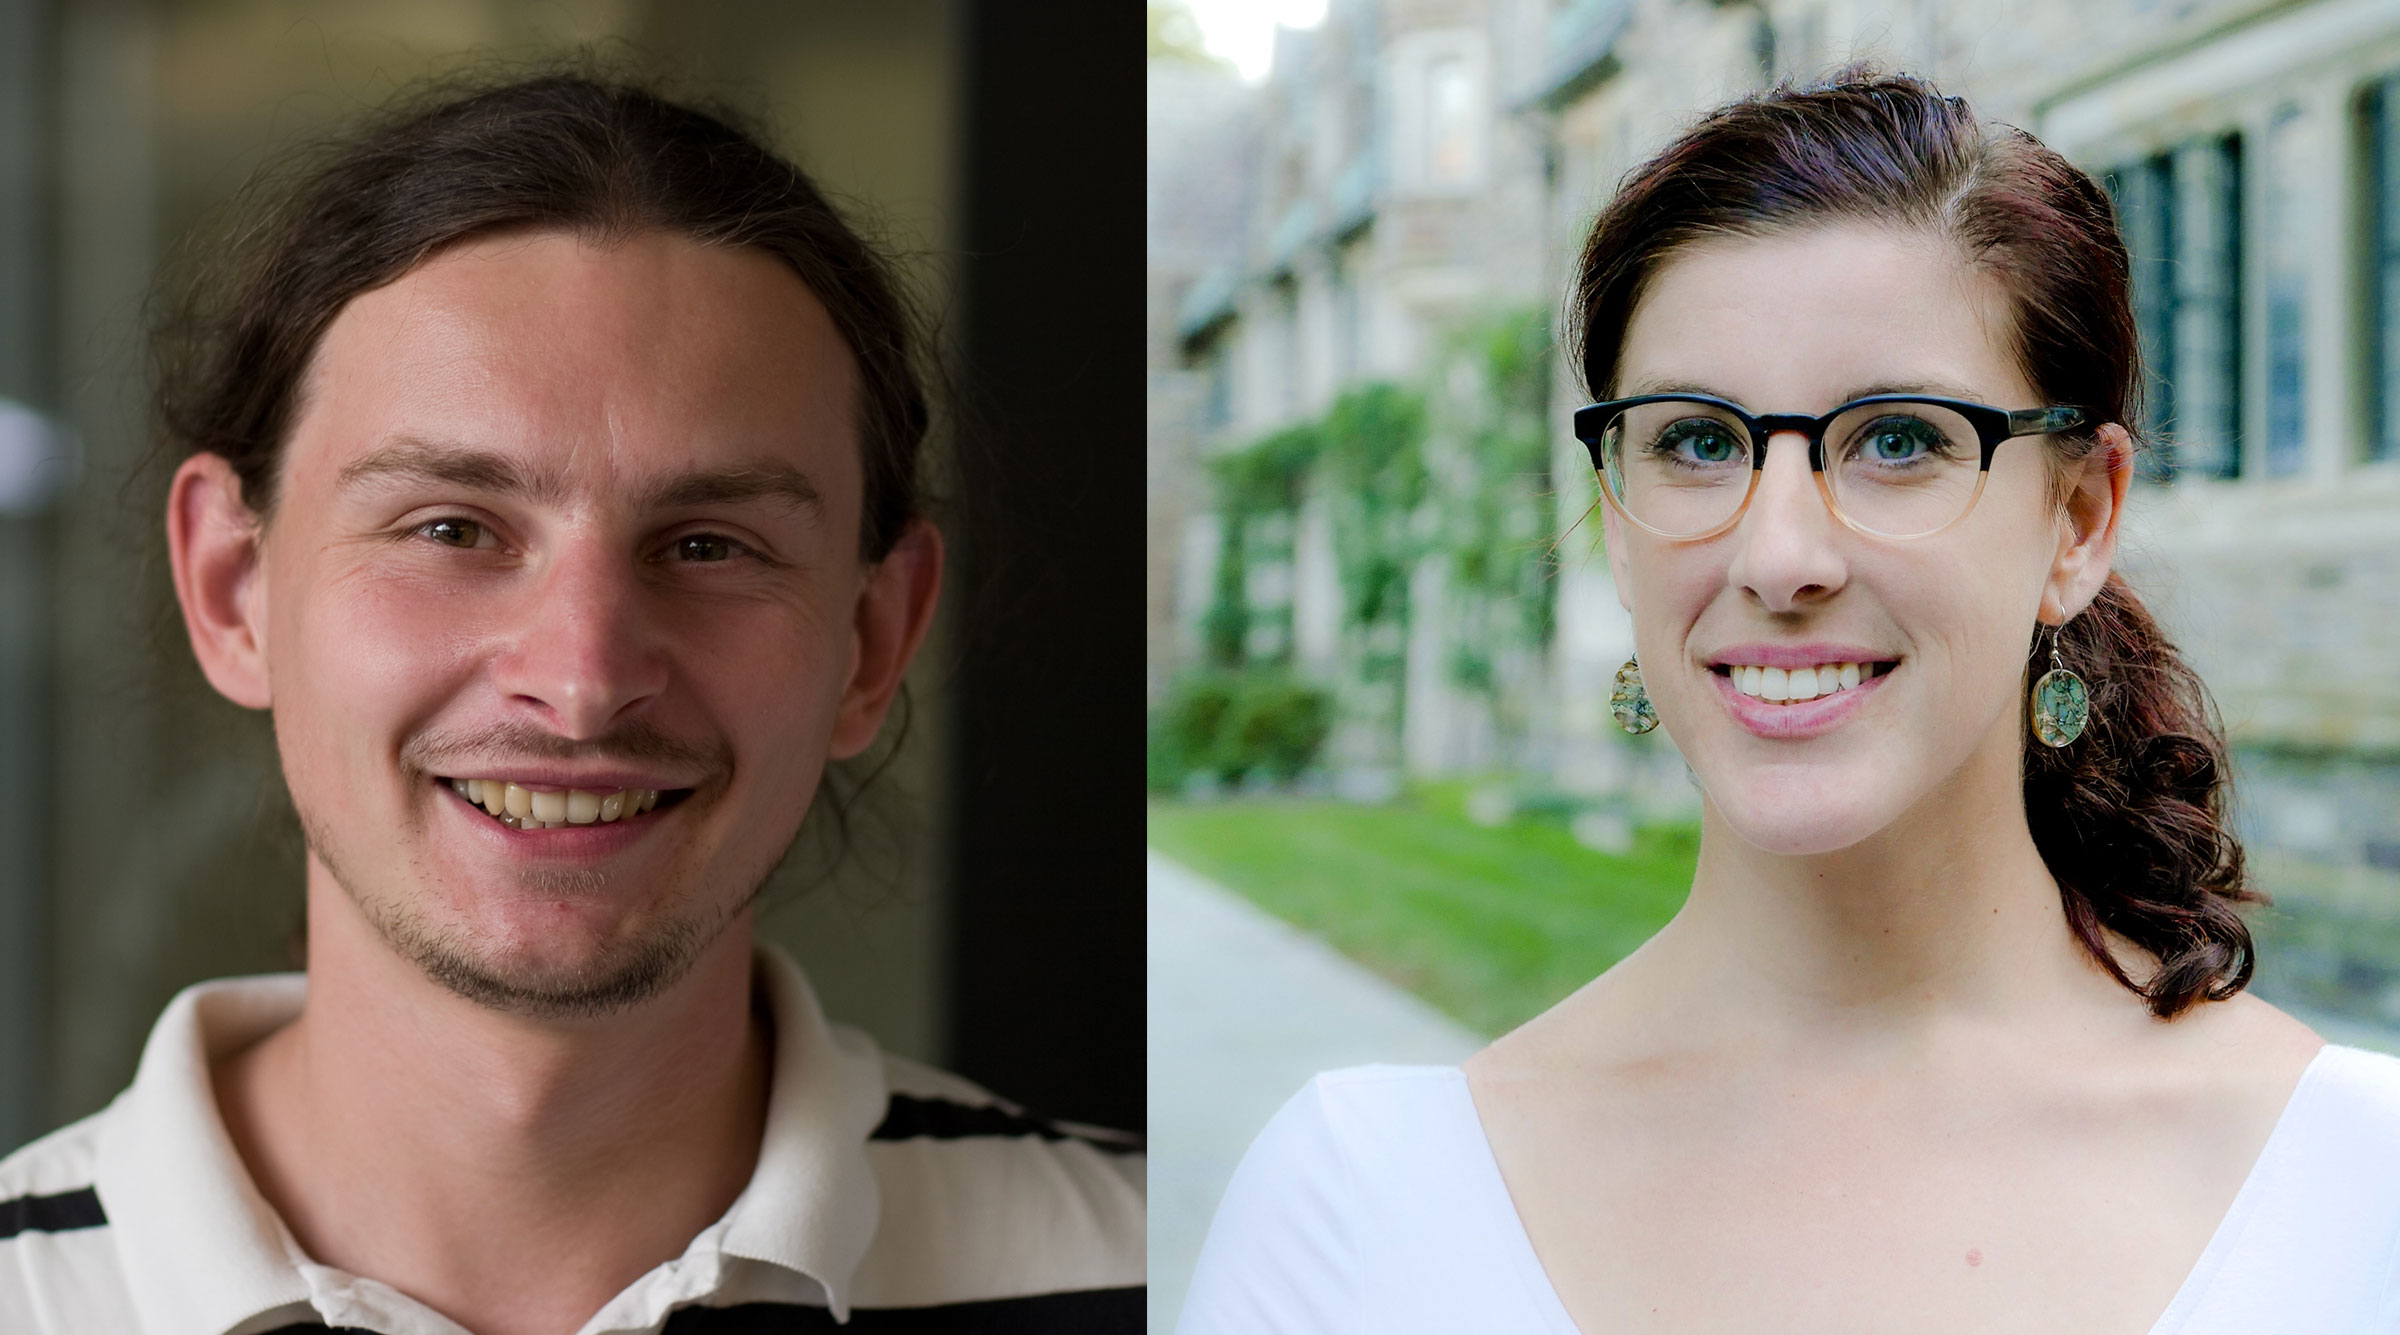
(1784, 686)
(521, 808)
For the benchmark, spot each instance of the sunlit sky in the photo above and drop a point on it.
(1243, 31)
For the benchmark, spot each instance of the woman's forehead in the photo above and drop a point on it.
(1798, 320)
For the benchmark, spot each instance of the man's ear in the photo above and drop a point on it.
(213, 545)
(895, 609)
(2087, 539)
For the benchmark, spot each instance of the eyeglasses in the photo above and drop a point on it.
(1685, 466)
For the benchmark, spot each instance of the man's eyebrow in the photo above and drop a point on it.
(410, 459)
(734, 485)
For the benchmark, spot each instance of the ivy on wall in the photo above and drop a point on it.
(1456, 466)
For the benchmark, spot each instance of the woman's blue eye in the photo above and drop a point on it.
(1700, 442)
(1899, 440)
(705, 547)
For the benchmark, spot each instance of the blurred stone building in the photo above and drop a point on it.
(1416, 157)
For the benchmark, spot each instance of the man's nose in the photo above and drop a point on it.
(587, 644)
(1788, 553)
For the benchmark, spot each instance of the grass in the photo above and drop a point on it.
(1490, 924)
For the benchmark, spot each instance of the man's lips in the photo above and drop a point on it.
(522, 808)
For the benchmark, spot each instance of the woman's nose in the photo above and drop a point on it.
(1788, 544)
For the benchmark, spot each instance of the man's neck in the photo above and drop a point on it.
(512, 1173)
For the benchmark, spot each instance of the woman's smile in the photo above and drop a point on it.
(1792, 704)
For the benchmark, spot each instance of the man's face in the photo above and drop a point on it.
(583, 519)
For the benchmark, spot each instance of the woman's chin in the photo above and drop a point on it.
(1798, 820)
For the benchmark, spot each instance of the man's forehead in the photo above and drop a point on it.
(527, 364)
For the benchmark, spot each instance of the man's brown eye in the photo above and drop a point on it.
(455, 532)
(704, 547)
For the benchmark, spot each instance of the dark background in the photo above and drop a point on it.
(983, 911)
(1050, 703)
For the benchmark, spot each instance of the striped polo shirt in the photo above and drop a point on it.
(888, 1197)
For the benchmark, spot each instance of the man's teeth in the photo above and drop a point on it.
(522, 808)
(1782, 686)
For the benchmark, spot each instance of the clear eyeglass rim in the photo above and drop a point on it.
(1993, 426)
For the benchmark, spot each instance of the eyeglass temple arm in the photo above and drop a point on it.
(2044, 421)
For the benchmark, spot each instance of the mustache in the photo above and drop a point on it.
(440, 750)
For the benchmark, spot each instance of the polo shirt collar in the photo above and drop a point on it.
(203, 1253)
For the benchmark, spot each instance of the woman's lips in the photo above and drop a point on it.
(1800, 720)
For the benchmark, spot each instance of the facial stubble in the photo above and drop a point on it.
(624, 974)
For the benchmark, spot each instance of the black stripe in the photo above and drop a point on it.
(51, 1214)
(1087, 1312)
(907, 1117)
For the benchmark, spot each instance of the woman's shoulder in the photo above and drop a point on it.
(1362, 1174)
(1361, 1116)
(2355, 1090)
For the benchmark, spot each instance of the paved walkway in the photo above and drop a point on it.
(1244, 1008)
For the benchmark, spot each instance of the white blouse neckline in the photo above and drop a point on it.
(2221, 1242)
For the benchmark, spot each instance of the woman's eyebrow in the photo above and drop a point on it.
(1663, 385)
(1936, 389)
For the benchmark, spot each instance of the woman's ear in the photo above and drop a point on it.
(213, 545)
(2087, 539)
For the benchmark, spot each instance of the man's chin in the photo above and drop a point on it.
(617, 981)
(550, 979)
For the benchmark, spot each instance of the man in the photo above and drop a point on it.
(550, 479)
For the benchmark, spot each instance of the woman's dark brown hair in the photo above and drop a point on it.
(2131, 817)
(563, 152)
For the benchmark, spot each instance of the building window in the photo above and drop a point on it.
(2207, 285)
(2145, 200)
(2182, 216)
(1449, 123)
(1216, 407)
(2381, 140)
(2290, 155)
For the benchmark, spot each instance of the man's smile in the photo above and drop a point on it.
(520, 807)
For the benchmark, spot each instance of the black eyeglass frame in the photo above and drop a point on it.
(1992, 426)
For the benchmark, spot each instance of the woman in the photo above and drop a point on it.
(1950, 1034)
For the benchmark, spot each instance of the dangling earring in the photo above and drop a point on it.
(2060, 705)
(1629, 702)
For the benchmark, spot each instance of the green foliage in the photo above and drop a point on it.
(1276, 727)
(1236, 725)
(1374, 458)
(1498, 534)
(1268, 475)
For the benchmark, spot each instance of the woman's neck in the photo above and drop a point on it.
(1947, 915)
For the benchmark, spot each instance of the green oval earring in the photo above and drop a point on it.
(2060, 705)
(1630, 702)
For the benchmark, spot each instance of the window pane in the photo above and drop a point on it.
(2291, 154)
(2383, 167)
(2207, 355)
(2145, 203)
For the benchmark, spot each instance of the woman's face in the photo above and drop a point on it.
(1800, 323)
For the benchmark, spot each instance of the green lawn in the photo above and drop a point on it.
(1491, 925)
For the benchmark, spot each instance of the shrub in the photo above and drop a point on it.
(1236, 725)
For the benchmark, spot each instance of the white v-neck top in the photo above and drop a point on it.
(1372, 1203)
